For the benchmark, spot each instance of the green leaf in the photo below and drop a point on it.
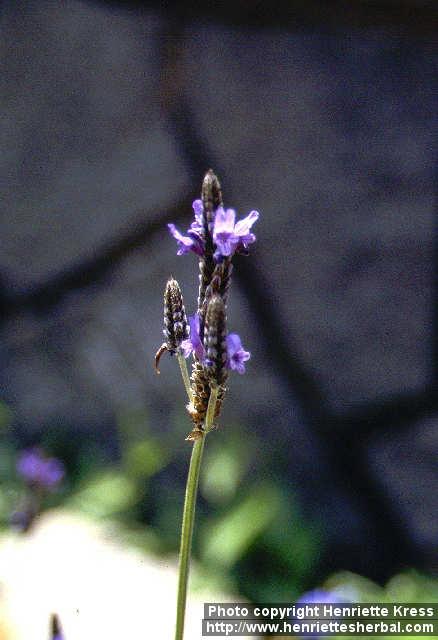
(227, 540)
(105, 495)
(144, 459)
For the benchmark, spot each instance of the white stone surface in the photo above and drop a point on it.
(98, 586)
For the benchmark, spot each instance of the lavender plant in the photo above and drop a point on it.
(215, 237)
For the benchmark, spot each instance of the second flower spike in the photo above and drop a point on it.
(175, 320)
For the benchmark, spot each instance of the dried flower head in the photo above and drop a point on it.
(197, 409)
(211, 200)
(215, 341)
(175, 320)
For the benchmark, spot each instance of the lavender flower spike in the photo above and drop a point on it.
(230, 236)
(175, 320)
(236, 354)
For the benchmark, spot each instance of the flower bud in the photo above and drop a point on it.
(215, 340)
(175, 319)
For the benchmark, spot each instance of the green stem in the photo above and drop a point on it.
(185, 375)
(211, 409)
(187, 533)
(189, 517)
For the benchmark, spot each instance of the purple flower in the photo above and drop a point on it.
(52, 472)
(193, 240)
(230, 236)
(318, 596)
(193, 342)
(236, 354)
(198, 208)
(23, 518)
(38, 470)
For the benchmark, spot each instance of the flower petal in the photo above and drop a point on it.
(197, 224)
(198, 208)
(185, 240)
(236, 354)
(51, 473)
(234, 343)
(193, 342)
(224, 222)
(188, 243)
(225, 247)
(243, 226)
(186, 347)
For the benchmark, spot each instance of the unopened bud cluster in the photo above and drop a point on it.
(215, 341)
(176, 328)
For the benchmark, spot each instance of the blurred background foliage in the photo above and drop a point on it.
(250, 537)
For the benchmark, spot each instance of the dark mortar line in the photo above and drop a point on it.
(392, 548)
(345, 451)
(44, 296)
(395, 413)
(177, 112)
(406, 16)
(275, 337)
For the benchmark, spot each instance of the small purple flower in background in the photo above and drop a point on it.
(40, 471)
(236, 354)
(193, 343)
(320, 596)
(230, 236)
(22, 519)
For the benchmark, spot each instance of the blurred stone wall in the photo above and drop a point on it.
(110, 117)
